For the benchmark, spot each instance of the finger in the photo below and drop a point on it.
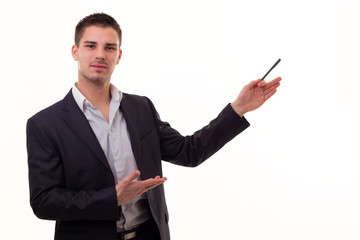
(155, 180)
(274, 82)
(150, 184)
(134, 175)
(266, 91)
(278, 79)
(270, 94)
(262, 83)
(252, 84)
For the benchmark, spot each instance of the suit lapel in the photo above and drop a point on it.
(77, 121)
(131, 117)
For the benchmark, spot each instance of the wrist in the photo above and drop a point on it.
(238, 109)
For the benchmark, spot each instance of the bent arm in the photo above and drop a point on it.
(50, 196)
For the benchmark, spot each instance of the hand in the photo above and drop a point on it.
(128, 189)
(254, 94)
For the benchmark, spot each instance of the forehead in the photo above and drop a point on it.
(100, 35)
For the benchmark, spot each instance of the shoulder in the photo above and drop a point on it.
(136, 101)
(48, 112)
(133, 98)
(55, 110)
(137, 105)
(43, 122)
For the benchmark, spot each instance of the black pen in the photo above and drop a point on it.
(277, 62)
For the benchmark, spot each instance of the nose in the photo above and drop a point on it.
(100, 55)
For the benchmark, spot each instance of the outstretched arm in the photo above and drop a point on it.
(128, 189)
(254, 94)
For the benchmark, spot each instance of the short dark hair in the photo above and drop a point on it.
(96, 19)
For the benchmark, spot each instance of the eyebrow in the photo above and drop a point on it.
(107, 44)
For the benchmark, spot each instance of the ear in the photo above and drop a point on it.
(120, 54)
(74, 51)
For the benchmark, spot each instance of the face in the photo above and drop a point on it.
(97, 54)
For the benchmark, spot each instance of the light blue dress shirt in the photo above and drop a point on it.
(114, 139)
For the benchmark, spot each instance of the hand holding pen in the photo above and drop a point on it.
(255, 94)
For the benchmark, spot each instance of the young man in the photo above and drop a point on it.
(86, 152)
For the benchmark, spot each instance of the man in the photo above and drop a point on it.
(86, 152)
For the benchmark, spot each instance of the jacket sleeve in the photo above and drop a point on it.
(193, 150)
(49, 196)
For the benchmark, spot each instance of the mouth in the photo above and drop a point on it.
(98, 67)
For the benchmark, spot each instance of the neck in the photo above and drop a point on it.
(98, 95)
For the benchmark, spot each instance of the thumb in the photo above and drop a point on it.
(252, 84)
(134, 175)
(262, 84)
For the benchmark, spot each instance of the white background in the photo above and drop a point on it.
(294, 174)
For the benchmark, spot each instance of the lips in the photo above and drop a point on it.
(98, 67)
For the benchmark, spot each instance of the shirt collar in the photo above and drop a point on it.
(82, 102)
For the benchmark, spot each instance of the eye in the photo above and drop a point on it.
(110, 48)
(90, 46)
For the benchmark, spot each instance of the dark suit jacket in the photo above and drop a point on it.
(71, 181)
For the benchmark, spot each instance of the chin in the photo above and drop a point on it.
(98, 80)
